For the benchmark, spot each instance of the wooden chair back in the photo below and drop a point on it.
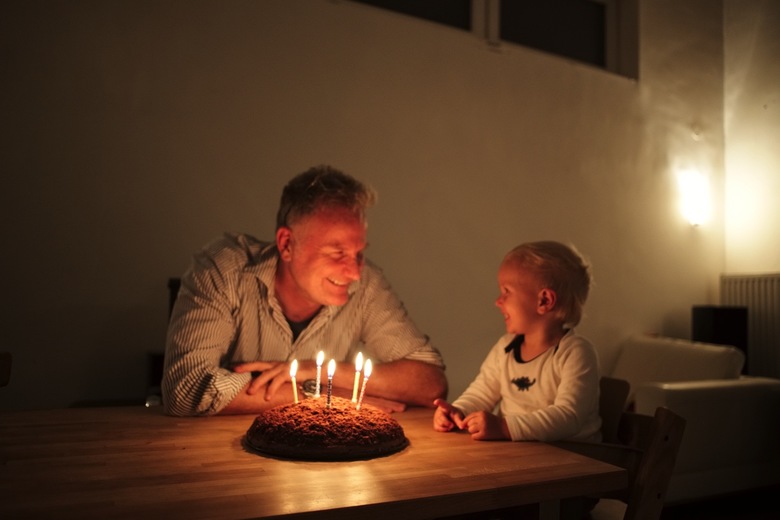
(647, 448)
(612, 403)
(5, 368)
(173, 292)
(659, 441)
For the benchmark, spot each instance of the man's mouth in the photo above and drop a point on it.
(338, 284)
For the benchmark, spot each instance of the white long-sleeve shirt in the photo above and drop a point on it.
(555, 396)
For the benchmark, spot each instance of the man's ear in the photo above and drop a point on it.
(284, 243)
(547, 300)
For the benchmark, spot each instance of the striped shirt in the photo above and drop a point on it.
(226, 313)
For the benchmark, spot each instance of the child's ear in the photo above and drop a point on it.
(547, 300)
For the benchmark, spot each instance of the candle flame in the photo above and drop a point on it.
(359, 362)
(320, 358)
(367, 369)
(331, 367)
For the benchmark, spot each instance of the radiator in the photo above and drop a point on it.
(760, 293)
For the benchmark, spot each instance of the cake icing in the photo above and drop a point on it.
(310, 430)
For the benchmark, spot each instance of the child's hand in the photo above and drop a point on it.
(446, 417)
(484, 426)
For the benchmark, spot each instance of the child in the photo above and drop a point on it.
(543, 377)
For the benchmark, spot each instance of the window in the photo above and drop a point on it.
(571, 28)
(456, 13)
(602, 33)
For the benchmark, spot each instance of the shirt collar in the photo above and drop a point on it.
(514, 347)
(517, 342)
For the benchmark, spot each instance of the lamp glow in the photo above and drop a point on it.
(694, 196)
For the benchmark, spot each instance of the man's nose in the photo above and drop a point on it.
(352, 268)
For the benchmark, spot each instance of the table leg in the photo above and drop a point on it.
(549, 510)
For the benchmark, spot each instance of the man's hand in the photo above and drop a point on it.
(273, 374)
(386, 405)
(446, 417)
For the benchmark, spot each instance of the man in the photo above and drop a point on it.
(246, 309)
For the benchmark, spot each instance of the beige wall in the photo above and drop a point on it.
(752, 129)
(133, 132)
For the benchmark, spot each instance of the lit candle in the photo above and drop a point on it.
(358, 368)
(366, 375)
(320, 359)
(331, 371)
(293, 371)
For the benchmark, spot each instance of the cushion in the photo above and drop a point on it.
(645, 359)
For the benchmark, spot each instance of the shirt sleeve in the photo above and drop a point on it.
(388, 331)
(199, 334)
(485, 391)
(574, 411)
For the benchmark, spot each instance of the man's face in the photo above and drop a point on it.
(326, 255)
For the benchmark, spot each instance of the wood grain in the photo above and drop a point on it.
(134, 462)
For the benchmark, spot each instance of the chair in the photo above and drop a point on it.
(660, 441)
(647, 448)
(173, 292)
(612, 403)
(156, 360)
(5, 368)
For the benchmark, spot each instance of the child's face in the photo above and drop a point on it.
(518, 298)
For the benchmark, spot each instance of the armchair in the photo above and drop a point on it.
(732, 421)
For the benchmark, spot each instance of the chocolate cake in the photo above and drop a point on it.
(310, 430)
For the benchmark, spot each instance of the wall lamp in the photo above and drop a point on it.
(695, 199)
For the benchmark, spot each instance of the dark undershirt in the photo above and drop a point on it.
(298, 326)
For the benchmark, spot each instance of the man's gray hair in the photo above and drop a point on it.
(322, 187)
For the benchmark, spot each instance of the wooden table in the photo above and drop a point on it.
(134, 462)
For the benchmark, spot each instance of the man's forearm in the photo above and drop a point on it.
(411, 382)
(244, 403)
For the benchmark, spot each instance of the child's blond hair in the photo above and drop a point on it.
(560, 268)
